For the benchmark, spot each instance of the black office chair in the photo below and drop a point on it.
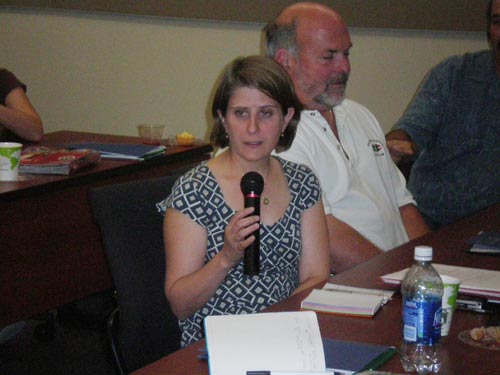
(143, 328)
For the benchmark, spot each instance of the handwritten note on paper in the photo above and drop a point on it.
(286, 341)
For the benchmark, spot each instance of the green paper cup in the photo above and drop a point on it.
(10, 156)
(449, 303)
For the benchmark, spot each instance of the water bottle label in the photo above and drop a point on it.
(422, 321)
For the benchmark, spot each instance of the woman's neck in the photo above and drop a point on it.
(240, 167)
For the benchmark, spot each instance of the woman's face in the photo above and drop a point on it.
(254, 123)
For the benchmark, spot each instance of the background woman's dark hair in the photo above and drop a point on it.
(265, 75)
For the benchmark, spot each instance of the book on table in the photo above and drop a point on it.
(46, 160)
(122, 151)
(486, 243)
(284, 341)
(474, 281)
(346, 300)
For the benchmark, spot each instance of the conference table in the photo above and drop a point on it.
(450, 247)
(50, 245)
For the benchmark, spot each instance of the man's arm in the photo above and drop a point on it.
(400, 145)
(347, 247)
(414, 223)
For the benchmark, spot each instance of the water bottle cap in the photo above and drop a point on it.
(423, 253)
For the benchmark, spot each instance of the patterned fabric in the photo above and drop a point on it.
(198, 195)
(455, 121)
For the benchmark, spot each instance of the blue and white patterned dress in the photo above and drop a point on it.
(197, 195)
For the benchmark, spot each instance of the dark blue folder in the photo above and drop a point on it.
(351, 357)
(121, 150)
(486, 243)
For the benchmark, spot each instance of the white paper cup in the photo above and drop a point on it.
(10, 156)
(449, 302)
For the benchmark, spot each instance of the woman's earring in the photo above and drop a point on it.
(282, 135)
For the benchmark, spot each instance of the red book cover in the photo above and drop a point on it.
(45, 160)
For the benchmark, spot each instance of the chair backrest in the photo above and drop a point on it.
(132, 236)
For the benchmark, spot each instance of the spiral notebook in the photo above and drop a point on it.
(346, 300)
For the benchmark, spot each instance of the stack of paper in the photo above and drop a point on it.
(341, 299)
(474, 281)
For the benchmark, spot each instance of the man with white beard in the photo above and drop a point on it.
(368, 208)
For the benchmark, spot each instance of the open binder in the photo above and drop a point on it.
(285, 341)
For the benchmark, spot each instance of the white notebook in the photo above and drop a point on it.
(284, 341)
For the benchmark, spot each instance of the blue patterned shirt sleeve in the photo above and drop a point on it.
(455, 121)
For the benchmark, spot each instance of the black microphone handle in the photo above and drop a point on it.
(252, 252)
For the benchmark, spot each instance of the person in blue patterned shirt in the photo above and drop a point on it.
(453, 124)
(206, 225)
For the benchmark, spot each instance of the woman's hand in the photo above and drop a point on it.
(238, 235)
(189, 281)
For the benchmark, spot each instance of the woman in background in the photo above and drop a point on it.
(206, 225)
(18, 119)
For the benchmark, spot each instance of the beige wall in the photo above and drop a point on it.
(107, 73)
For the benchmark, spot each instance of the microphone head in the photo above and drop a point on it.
(252, 182)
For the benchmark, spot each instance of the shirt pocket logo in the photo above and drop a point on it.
(377, 148)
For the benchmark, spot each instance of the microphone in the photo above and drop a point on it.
(252, 185)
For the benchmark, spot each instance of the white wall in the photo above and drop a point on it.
(107, 73)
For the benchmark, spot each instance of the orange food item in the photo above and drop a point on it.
(184, 139)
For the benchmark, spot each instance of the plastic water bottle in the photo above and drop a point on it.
(422, 291)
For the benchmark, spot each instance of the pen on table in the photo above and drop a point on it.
(267, 372)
